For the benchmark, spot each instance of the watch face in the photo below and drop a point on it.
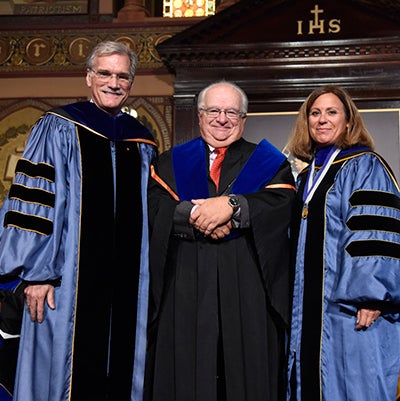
(233, 202)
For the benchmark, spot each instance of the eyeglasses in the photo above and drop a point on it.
(106, 76)
(231, 114)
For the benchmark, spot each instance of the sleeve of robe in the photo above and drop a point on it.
(370, 261)
(35, 210)
(161, 211)
(270, 213)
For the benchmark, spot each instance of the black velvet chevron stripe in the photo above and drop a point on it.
(368, 222)
(28, 222)
(32, 195)
(36, 170)
(374, 198)
(374, 248)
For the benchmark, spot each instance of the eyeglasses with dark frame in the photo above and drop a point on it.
(106, 76)
(231, 114)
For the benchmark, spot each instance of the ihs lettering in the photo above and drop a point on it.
(317, 25)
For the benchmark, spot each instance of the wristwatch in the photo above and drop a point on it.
(234, 203)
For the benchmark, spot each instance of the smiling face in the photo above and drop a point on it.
(110, 92)
(221, 130)
(327, 119)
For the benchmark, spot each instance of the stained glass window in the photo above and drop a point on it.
(188, 8)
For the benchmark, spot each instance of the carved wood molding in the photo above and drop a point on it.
(64, 51)
(350, 51)
(280, 50)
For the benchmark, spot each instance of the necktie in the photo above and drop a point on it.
(216, 166)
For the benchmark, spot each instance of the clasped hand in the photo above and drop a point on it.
(212, 217)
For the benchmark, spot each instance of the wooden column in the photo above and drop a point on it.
(133, 10)
(186, 121)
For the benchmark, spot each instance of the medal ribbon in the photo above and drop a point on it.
(312, 185)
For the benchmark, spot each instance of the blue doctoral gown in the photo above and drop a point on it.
(347, 257)
(76, 216)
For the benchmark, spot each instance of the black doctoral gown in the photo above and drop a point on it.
(220, 308)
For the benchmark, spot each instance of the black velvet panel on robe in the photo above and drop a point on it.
(109, 266)
(313, 284)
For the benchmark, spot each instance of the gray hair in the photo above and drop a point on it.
(108, 48)
(202, 94)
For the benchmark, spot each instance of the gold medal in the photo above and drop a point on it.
(304, 213)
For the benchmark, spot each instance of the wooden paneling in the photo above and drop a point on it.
(278, 51)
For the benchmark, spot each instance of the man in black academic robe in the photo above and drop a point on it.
(220, 290)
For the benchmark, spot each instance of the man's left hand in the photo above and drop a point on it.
(210, 214)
